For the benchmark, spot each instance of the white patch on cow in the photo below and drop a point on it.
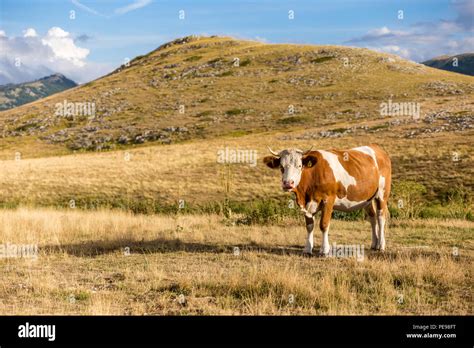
(344, 204)
(338, 170)
(381, 230)
(312, 207)
(368, 151)
(305, 212)
(381, 191)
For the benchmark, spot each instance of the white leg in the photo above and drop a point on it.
(325, 242)
(375, 237)
(381, 222)
(308, 249)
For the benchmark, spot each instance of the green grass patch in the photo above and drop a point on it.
(292, 120)
(234, 112)
(238, 133)
(245, 62)
(227, 73)
(193, 58)
(321, 59)
(204, 113)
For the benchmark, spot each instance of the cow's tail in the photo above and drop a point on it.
(387, 216)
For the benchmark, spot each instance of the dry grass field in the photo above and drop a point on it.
(189, 264)
(165, 174)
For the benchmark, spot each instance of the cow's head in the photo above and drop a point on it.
(291, 163)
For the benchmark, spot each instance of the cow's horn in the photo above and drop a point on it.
(305, 152)
(273, 152)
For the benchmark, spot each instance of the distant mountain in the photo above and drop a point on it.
(12, 95)
(461, 63)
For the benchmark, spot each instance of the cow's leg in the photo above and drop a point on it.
(324, 227)
(381, 214)
(308, 249)
(373, 223)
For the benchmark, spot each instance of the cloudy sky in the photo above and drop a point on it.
(85, 39)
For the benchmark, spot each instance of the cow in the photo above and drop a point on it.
(343, 180)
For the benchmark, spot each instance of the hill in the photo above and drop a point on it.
(12, 95)
(461, 63)
(189, 99)
(193, 88)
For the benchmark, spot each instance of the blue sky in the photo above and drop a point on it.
(104, 33)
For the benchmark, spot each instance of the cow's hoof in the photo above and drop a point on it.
(323, 254)
(306, 254)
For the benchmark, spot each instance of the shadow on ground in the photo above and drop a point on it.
(97, 248)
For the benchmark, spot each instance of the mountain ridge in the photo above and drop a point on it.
(16, 94)
(460, 63)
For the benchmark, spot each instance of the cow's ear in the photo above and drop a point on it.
(271, 161)
(309, 161)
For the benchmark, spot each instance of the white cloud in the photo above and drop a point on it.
(31, 56)
(85, 8)
(379, 34)
(30, 32)
(379, 31)
(63, 46)
(425, 40)
(393, 49)
(2, 33)
(133, 6)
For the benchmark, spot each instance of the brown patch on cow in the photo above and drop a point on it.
(357, 164)
(271, 161)
(317, 182)
(341, 190)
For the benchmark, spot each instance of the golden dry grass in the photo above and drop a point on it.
(186, 264)
(190, 171)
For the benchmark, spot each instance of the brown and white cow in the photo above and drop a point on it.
(343, 180)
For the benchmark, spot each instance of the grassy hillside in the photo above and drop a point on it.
(13, 95)
(191, 88)
(336, 104)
